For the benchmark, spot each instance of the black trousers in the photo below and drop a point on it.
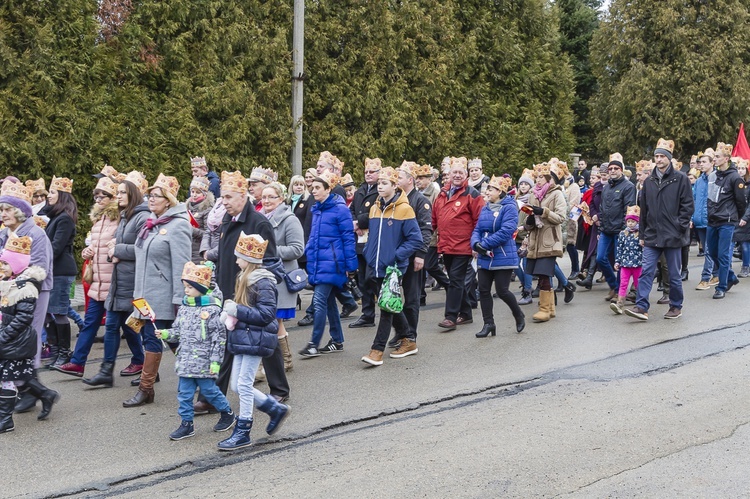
(501, 279)
(275, 374)
(432, 267)
(412, 284)
(456, 298)
(368, 296)
(388, 320)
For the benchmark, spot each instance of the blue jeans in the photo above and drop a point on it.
(526, 279)
(324, 304)
(244, 368)
(150, 342)
(116, 321)
(604, 249)
(719, 246)
(745, 253)
(646, 281)
(91, 323)
(708, 264)
(186, 388)
(560, 276)
(344, 296)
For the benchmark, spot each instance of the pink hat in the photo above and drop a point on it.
(17, 254)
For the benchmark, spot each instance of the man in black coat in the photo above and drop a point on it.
(666, 203)
(242, 217)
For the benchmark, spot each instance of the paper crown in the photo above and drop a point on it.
(20, 245)
(373, 164)
(409, 167)
(422, 171)
(40, 222)
(500, 183)
(461, 162)
(708, 152)
(693, 158)
(169, 185)
(642, 165)
(542, 169)
(742, 162)
(198, 161)
(326, 159)
(329, 178)
(446, 161)
(233, 182)
(347, 180)
(527, 176)
(475, 163)
(265, 175)
(35, 186)
(338, 165)
(389, 173)
(199, 274)
(250, 247)
(61, 184)
(557, 169)
(633, 212)
(16, 190)
(616, 158)
(137, 179)
(105, 184)
(109, 171)
(677, 165)
(200, 183)
(724, 149)
(665, 144)
(311, 171)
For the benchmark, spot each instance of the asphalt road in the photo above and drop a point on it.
(588, 405)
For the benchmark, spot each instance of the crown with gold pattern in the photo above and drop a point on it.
(389, 173)
(475, 163)
(693, 158)
(644, 164)
(35, 186)
(233, 182)
(542, 169)
(665, 144)
(461, 162)
(338, 165)
(502, 184)
(40, 222)
(373, 164)
(742, 162)
(724, 149)
(616, 159)
(265, 175)
(633, 212)
(20, 245)
(409, 167)
(105, 184)
(197, 274)
(169, 186)
(198, 161)
(16, 190)
(250, 247)
(109, 171)
(138, 179)
(422, 171)
(326, 159)
(200, 183)
(556, 168)
(61, 184)
(708, 152)
(347, 180)
(329, 178)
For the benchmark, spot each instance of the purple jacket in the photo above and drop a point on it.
(41, 249)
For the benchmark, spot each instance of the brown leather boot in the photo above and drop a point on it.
(145, 393)
(284, 345)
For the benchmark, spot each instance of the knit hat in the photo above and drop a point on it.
(665, 147)
(17, 253)
(198, 276)
(616, 159)
(527, 176)
(250, 248)
(14, 193)
(633, 213)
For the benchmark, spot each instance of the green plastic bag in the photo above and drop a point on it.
(391, 297)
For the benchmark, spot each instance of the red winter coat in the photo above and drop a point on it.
(454, 219)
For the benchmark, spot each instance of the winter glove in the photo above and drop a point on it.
(215, 366)
(538, 210)
(480, 249)
(163, 333)
(230, 307)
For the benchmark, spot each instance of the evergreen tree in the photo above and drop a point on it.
(676, 69)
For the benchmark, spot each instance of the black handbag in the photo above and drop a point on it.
(296, 280)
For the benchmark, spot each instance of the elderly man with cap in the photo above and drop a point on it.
(199, 168)
(666, 203)
(454, 216)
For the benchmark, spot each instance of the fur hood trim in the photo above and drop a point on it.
(12, 293)
(111, 211)
(205, 205)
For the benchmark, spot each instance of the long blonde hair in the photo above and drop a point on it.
(241, 289)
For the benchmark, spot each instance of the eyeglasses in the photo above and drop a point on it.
(266, 198)
(155, 196)
(100, 198)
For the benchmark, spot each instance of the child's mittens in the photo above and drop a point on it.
(230, 308)
(229, 322)
(215, 366)
(163, 333)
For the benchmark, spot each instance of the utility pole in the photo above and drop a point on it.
(298, 57)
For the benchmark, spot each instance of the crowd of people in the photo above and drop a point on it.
(215, 277)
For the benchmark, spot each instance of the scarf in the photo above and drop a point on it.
(541, 190)
(197, 199)
(478, 181)
(633, 229)
(148, 227)
(495, 206)
(216, 215)
(524, 198)
(270, 213)
(199, 301)
(295, 200)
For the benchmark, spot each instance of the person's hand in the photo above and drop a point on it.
(230, 307)
(617, 266)
(643, 243)
(162, 333)
(481, 249)
(741, 224)
(691, 224)
(418, 264)
(538, 210)
(215, 367)
(87, 253)
(111, 244)
(111, 253)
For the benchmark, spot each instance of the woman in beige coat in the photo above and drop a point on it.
(546, 209)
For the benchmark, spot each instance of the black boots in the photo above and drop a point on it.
(570, 290)
(487, 330)
(47, 396)
(63, 344)
(103, 377)
(589, 281)
(7, 404)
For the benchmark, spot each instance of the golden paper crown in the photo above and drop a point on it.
(643, 164)
(373, 164)
(169, 185)
(40, 222)
(388, 173)
(677, 165)
(105, 184)
(35, 186)
(557, 169)
(460, 162)
(61, 184)
(475, 163)
(694, 172)
(138, 180)
(21, 245)
(251, 247)
(665, 144)
(422, 171)
(265, 175)
(633, 211)
(233, 182)
(446, 161)
(542, 169)
(16, 190)
(693, 158)
(338, 165)
(311, 171)
(198, 161)
(326, 159)
(616, 156)
(409, 167)
(742, 162)
(347, 180)
(109, 171)
(724, 149)
(502, 184)
(708, 152)
(200, 183)
(200, 274)
(329, 178)
(528, 173)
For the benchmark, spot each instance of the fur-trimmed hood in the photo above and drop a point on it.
(25, 285)
(205, 205)
(111, 211)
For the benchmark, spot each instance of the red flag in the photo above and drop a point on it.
(193, 221)
(741, 149)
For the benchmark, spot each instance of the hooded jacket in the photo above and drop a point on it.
(617, 195)
(120, 295)
(17, 336)
(666, 209)
(331, 249)
(454, 219)
(394, 235)
(105, 223)
(41, 248)
(726, 201)
(494, 231)
(256, 330)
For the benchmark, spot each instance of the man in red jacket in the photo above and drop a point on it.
(454, 215)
